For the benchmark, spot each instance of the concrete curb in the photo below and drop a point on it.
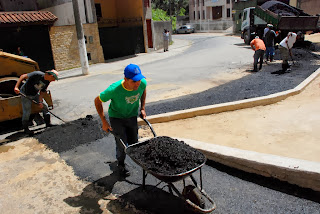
(295, 171)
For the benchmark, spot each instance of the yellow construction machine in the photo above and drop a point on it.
(11, 67)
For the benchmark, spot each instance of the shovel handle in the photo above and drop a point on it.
(119, 138)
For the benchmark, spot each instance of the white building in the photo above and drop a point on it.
(208, 15)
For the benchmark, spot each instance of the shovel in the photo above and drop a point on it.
(44, 106)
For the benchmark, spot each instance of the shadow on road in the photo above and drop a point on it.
(97, 197)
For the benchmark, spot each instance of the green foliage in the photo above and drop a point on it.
(160, 15)
(172, 7)
(182, 12)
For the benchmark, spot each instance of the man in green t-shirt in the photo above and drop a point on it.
(123, 110)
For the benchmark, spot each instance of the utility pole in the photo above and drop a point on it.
(80, 37)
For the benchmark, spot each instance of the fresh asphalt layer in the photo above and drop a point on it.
(261, 88)
(300, 172)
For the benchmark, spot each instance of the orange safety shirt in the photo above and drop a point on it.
(258, 44)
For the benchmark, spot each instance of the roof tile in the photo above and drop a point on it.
(27, 17)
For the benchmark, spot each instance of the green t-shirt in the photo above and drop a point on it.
(124, 103)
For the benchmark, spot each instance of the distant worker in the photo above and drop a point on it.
(166, 38)
(285, 47)
(33, 90)
(269, 42)
(259, 47)
(266, 29)
(125, 95)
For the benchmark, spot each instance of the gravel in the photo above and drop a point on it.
(257, 84)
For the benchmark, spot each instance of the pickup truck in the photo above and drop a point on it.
(283, 17)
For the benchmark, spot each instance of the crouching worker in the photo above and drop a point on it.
(259, 47)
(285, 48)
(33, 90)
(125, 95)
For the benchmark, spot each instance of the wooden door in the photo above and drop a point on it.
(149, 33)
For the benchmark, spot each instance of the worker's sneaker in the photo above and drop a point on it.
(28, 132)
(123, 171)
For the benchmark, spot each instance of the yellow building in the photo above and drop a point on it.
(123, 26)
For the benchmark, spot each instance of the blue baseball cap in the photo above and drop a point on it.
(133, 72)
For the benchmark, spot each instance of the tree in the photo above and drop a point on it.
(172, 7)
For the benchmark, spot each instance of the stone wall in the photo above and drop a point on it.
(65, 49)
(158, 27)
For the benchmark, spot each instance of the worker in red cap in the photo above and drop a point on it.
(33, 90)
(126, 96)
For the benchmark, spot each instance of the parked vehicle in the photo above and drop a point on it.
(185, 29)
(283, 17)
(12, 66)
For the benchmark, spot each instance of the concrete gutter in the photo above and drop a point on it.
(295, 171)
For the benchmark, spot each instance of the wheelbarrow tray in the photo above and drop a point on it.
(168, 178)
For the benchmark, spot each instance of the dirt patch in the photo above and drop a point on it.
(35, 179)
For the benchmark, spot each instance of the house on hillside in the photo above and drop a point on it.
(210, 14)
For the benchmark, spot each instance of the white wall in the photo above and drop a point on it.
(65, 14)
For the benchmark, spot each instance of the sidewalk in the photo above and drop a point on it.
(177, 47)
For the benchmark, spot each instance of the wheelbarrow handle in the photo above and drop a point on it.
(149, 124)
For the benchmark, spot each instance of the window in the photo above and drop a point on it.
(194, 15)
(244, 16)
(203, 14)
(228, 1)
(228, 12)
(202, 2)
(198, 2)
(90, 39)
(199, 15)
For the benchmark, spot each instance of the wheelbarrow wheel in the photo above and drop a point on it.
(194, 195)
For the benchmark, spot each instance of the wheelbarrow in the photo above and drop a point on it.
(193, 195)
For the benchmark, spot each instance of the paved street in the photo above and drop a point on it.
(210, 57)
(92, 159)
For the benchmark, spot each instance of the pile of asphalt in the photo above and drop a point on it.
(167, 156)
(67, 136)
(254, 85)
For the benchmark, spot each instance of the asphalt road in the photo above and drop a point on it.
(232, 190)
(93, 158)
(208, 57)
